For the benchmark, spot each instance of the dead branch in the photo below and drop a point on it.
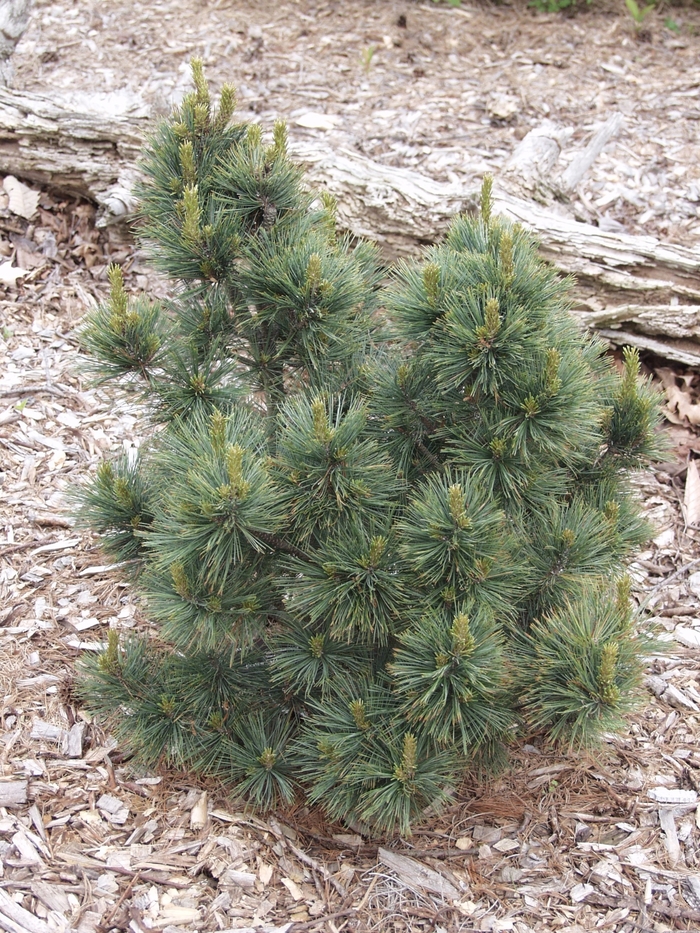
(645, 291)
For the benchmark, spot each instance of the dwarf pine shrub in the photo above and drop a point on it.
(382, 520)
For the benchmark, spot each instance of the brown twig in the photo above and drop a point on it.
(113, 912)
(671, 913)
(28, 390)
(22, 546)
(156, 877)
(665, 582)
(436, 853)
(318, 867)
(310, 924)
(623, 802)
(274, 541)
(307, 860)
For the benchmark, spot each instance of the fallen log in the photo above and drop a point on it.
(627, 286)
(85, 144)
(632, 286)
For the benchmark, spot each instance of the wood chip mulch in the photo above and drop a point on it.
(91, 844)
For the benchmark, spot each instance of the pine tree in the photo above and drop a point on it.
(378, 526)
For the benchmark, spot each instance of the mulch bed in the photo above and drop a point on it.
(570, 842)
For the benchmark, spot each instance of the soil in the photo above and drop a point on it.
(557, 841)
(449, 91)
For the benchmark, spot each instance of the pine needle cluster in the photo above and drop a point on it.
(378, 526)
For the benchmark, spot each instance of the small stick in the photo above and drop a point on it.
(21, 546)
(129, 888)
(316, 866)
(307, 860)
(87, 863)
(29, 390)
(310, 924)
(665, 582)
(368, 892)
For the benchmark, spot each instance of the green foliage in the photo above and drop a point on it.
(450, 679)
(363, 762)
(124, 337)
(553, 6)
(638, 13)
(119, 505)
(578, 693)
(366, 56)
(373, 544)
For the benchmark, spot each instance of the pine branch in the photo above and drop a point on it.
(279, 544)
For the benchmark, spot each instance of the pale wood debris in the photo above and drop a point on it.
(687, 636)
(16, 919)
(417, 876)
(583, 161)
(666, 796)
(668, 825)
(46, 731)
(26, 848)
(677, 698)
(397, 206)
(13, 793)
(148, 871)
(72, 745)
(199, 814)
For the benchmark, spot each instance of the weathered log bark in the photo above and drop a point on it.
(632, 286)
(650, 287)
(585, 159)
(84, 144)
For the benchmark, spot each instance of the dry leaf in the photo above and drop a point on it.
(23, 200)
(9, 273)
(666, 376)
(692, 493)
(680, 406)
(507, 845)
